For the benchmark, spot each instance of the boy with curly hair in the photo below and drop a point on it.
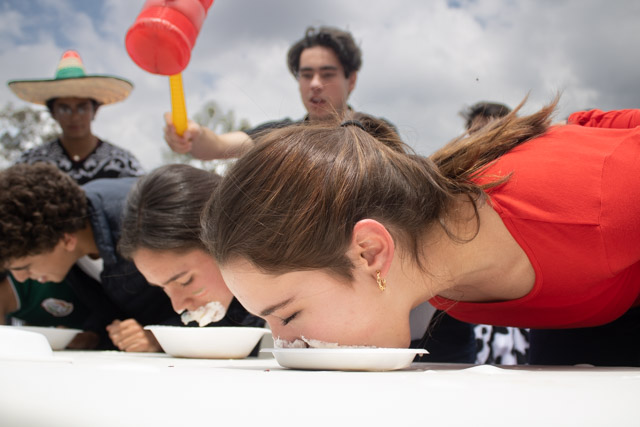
(53, 229)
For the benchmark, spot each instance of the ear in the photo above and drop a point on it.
(69, 241)
(352, 80)
(372, 246)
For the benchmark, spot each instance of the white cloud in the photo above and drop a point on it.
(10, 24)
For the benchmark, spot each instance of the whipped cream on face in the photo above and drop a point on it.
(311, 343)
(212, 312)
(280, 343)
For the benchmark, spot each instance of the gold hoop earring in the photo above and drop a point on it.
(382, 283)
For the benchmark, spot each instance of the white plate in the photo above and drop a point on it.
(18, 344)
(225, 342)
(345, 359)
(58, 338)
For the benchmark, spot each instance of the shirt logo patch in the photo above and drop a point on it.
(57, 307)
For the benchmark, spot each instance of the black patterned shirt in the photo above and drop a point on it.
(106, 161)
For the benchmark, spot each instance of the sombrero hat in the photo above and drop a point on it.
(71, 81)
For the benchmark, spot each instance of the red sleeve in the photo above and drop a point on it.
(618, 119)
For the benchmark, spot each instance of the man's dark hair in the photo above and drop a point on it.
(38, 205)
(341, 42)
(482, 113)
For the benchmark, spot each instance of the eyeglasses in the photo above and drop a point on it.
(67, 110)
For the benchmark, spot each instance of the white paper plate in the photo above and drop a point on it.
(345, 359)
(225, 342)
(58, 338)
(18, 344)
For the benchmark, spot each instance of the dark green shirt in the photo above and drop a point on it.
(48, 304)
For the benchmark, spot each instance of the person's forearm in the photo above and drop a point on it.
(209, 145)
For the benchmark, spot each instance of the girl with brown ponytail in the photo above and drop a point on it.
(334, 233)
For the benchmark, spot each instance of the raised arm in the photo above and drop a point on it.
(202, 143)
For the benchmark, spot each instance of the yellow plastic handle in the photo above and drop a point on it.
(178, 108)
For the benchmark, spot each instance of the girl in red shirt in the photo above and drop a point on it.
(519, 224)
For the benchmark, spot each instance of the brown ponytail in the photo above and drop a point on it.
(464, 157)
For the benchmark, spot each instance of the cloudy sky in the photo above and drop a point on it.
(423, 61)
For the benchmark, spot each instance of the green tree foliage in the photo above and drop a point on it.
(22, 128)
(212, 116)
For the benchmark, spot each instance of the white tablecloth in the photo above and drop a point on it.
(95, 389)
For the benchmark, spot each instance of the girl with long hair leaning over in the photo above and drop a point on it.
(334, 232)
(161, 235)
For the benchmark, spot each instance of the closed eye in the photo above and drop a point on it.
(290, 318)
(187, 283)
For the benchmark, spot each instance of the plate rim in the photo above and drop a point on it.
(150, 327)
(378, 350)
(34, 328)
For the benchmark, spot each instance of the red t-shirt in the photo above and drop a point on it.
(573, 205)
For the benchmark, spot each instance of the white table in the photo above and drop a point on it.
(95, 389)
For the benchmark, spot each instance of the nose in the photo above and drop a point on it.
(282, 332)
(178, 302)
(316, 81)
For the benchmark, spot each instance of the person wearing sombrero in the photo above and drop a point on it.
(73, 98)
